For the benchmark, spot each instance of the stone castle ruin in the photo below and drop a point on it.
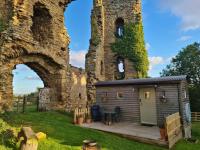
(32, 32)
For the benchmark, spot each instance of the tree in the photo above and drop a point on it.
(187, 62)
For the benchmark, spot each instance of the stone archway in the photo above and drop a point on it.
(35, 36)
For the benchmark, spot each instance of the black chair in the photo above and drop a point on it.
(103, 119)
(117, 115)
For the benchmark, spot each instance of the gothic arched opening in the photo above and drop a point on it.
(42, 24)
(26, 84)
(119, 27)
(120, 68)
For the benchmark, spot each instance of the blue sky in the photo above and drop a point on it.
(169, 25)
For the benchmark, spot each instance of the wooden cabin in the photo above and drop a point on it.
(147, 101)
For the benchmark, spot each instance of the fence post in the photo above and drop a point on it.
(38, 103)
(24, 104)
(18, 104)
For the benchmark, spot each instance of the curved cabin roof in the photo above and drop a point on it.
(144, 81)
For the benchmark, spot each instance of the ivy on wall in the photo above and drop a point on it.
(2, 25)
(132, 46)
(95, 39)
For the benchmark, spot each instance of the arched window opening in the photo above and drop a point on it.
(120, 68)
(42, 24)
(102, 68)
(119, 27)
(80, 96)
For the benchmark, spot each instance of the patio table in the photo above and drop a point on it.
(108, 116)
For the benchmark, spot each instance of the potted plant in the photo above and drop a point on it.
(80, 119)
(163, 133)
(88, 118)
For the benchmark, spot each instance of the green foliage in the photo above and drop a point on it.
(95, 39)
(187, 62)
(132, 46)
(2, 25)
(8, 135)
(194, 93)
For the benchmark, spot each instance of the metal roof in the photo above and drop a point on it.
(174, 79)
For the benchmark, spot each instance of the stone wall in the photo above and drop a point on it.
(78, 95)
(21, 43)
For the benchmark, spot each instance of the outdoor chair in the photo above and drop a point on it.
(103, 119)
(117, 115)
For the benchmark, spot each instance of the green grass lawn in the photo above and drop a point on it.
(63, 135)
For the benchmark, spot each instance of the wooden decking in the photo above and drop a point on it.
(145, 134)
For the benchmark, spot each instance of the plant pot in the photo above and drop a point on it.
(80, 120)
(88, 120)
(162, 134)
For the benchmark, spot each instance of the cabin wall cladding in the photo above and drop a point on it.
(129, 103)
(171, 105)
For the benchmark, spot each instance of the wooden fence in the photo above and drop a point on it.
(174, 129)
(196, 116)
(81, 112)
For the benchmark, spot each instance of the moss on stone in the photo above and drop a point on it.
(2, 25)
(132, 46)
(95, 39)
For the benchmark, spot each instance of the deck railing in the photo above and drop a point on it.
(196, 116)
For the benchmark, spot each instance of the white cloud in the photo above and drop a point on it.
(155, 60)
(148, 46)
(187, 10)
(77, 58)
(184, 38)
(22, 67)
(32, 78)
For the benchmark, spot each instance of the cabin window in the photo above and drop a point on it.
(147, 95)
(120, 68)
(119, 27)
(119, 95)
(104, 97)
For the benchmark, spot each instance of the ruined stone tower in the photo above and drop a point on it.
(108, 20)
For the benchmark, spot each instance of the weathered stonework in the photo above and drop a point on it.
(101, 62)
(35, 36)
(78, 95)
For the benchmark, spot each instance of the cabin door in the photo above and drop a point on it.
(148, 106)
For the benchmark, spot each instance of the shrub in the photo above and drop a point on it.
(8, 135)
(195, 98)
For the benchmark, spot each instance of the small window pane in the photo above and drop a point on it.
(147, 95)
(119, 95)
